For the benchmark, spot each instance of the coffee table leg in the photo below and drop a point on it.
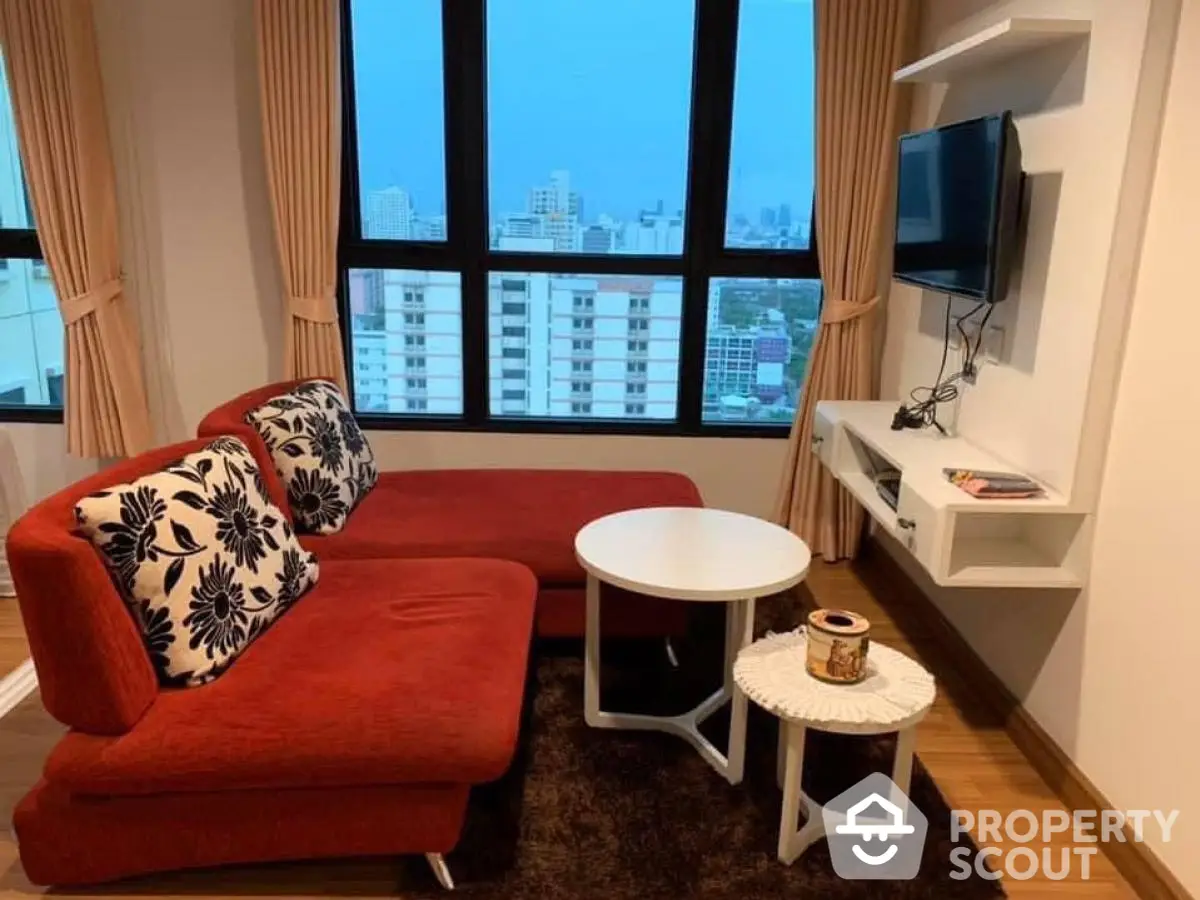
(739, 633)
(902, 768)
(591, 654)
(792, 840)
(781, 754)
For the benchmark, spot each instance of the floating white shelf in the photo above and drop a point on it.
(960, 540)
(1005, 39)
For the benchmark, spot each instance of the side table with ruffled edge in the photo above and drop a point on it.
(894, 697)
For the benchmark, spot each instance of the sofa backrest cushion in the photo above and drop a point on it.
(230, 418)
(320, 453)
(203, 558)
(93, 671)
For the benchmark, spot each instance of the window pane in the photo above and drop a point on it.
(583, 346)
(760, 332)
(31, 336)
(589, 104)
(771, 158)
(398, 103)
(15, 210)
(406, 336)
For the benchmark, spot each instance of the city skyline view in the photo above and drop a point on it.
(616, 121)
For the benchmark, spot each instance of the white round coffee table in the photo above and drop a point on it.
(696, 555)
(894, 697)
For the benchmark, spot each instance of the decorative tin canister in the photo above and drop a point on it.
(837, 645)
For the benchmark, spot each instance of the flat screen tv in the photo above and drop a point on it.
(957, 206)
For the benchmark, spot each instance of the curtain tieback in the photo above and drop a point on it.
(321, 309)
(75, 308)
(844, 310)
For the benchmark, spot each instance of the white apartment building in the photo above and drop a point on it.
(31, 331)
(655, 234)
(584, 346)
(389, 214)
(414, 365)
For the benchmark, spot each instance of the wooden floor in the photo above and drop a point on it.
(972, 760)
(13, 648)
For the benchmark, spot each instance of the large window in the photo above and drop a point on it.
(31, 331)
(584, 216)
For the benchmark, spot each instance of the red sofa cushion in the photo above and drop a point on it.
(92, 667)
(529, 516)
(388, 672)
(68, 839)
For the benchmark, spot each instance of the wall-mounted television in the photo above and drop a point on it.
(958, 201)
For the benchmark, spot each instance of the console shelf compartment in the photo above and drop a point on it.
(962, 541)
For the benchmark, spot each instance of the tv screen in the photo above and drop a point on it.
(958, 194)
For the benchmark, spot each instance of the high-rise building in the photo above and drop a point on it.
(766, 217)
(414, 364)
(389, 214)
(655, 233)
(558, 209)
(597, 239)
(785, 216)
(556, 197)
(579, 346)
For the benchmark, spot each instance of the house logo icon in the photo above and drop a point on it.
(875, 831)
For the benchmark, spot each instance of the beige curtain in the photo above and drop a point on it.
(859, 46)
(298, 75)
(58, 102)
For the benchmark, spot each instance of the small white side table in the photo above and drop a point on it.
(695, 555)
(894, 697)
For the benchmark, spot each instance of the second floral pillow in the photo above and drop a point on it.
(320, 453)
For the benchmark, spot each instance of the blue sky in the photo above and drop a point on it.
(598, 87)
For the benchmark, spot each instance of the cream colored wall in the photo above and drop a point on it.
(1101, 670)
(181, 87)
(1135, 719)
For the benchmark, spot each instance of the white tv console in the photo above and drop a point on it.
(960, 540)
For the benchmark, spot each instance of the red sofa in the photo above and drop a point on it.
(355, 725)
(530, 516)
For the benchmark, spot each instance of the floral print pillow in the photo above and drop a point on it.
(202, 556)
(320, 453)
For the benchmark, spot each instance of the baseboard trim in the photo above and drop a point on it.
(1136, 862)
(17, 685)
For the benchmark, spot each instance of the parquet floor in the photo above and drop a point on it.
(13, 648)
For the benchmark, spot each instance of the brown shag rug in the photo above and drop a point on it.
(609, 815)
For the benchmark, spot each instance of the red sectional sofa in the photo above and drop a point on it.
(530, 516)
(355, 725)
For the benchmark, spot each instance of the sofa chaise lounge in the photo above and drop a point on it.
(355, 725)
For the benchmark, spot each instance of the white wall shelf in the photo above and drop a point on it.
(961, 540)
(1005, 39)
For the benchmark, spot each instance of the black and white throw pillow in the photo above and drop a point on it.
(202, 556)
(320, 453)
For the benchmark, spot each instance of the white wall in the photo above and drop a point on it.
(1096, 306)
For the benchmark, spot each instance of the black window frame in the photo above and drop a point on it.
(467, 250)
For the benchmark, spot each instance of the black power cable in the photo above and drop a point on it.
(922, 412)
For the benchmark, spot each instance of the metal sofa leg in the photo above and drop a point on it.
(671, 657)
(440, 870)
